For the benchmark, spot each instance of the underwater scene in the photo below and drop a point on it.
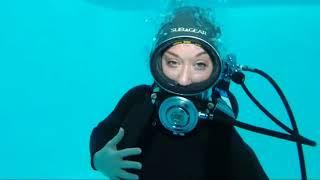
(66, 64)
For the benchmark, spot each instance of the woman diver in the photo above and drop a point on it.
(167, 131)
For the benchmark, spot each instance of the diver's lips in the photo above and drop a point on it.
(156, 4)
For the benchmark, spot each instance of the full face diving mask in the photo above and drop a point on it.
(181, 107)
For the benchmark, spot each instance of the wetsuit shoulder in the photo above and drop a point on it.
(134, 95)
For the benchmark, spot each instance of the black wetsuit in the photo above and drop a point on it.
(212, 151)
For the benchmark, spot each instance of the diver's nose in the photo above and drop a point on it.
(185, 77)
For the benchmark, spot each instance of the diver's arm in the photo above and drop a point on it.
(109, 127)
(244, 162)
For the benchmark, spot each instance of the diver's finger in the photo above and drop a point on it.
(126, 175)
(117, 138)
(129, 152)
(131, 165)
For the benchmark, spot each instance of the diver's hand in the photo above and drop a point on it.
(110, 161)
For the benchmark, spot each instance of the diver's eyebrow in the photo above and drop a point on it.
(176, 55)
(173, 54)
(201, 53)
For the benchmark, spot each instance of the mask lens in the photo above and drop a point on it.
(168, 68)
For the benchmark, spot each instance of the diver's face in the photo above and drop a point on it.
(187, 64)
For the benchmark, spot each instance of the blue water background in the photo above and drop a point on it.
(64, 64)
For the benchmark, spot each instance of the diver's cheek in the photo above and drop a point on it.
(200, 77)
(171, 75)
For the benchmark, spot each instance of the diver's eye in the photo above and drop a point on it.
(172, 63)
(201, 66)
